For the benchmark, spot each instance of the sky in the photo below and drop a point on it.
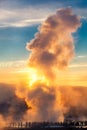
(43, 60)
(19, 21)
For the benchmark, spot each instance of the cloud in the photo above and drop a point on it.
(16, 65)
(22, 17)
(78, 65)
(15, 14)
(81, 56)
(81, 12)
(27, 22)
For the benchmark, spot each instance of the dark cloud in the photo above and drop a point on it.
(11, 105)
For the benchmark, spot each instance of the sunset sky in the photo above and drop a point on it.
(19, 21)
(43, 60)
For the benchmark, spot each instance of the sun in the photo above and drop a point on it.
(35, 76)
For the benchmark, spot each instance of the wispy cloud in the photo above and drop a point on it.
(31, 14)
(27, 22)
(13, 65)
(77, 65)
(81, 56)
(22, 17)
(81, 12)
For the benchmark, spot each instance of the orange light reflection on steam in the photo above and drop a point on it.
(34, 77)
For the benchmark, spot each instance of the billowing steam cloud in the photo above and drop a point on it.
(74, 102)
(58, 104)
(51, 50)
(53, 45)
(43, 101)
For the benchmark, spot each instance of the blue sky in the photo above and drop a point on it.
(13, 41)
(20, 19)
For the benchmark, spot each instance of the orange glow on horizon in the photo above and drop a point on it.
(32, 76)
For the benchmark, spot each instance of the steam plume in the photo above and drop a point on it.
(51, 49)
(53, 45)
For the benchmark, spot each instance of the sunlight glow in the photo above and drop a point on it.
(35, 77)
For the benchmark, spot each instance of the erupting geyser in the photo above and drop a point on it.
(51, 50)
